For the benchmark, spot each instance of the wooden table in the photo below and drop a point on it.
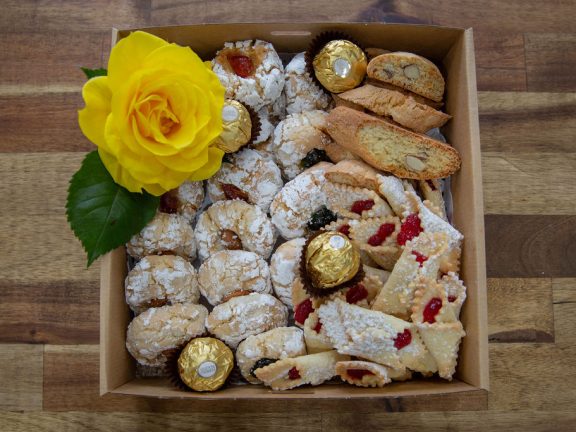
(526, 58)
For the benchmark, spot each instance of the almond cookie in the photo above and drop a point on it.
(157, 331)
(293, 207)
(408, 71)
(234, 225)
(300, 141)
(368, 374)
(249, 177)
(161, 280)
(230, 272)
(270, 116)
(250, 71)
(186, 200)
(311, 369)
(354, 202)
(284, 268)
(166, 234)
(266, 348)
(244, 316)
(302, 93)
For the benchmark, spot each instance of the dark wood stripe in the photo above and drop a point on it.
(551, 61)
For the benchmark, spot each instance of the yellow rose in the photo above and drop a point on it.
(155, 114)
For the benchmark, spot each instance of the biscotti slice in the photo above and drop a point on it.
(391, 148)
(354, 173)
(397, 104)
(409, 71)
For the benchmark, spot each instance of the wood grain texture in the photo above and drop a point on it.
(21, 377)
(551, 61)
(500, 61)
(564, 300)
(530, 246)
(520, 310)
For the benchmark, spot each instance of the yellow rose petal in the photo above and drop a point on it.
(178, 163)
(211, 167)
(118, 173)
(92, 117)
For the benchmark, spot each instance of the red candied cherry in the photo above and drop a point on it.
(431, 184)
(169, 202)
(241, 64)
(386, 230)
(431, 310)
(358, 373)
(318, 326)
(344, 229)
(409, 229)
(403, 339)
(419, 257)
(302, 311)
(452, 298)
(375, 240)
(293, 374)
(357, 293)
(359, 206)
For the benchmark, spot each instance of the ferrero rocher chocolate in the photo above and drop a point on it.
(340, 65)
(237, 127)
(331, 260)
(205, 363)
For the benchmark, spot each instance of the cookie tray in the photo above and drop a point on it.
(451, 48)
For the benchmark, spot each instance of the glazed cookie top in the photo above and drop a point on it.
(250, 71)
(302, 94)
(250, 177)
(157, 280)
(165, 234)
(231, 272)
(234, 225)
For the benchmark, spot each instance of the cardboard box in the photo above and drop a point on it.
(454, 50)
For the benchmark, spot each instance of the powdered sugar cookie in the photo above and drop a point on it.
(293, 206)
(302, 93)
(244, 316)
(157, 331)
(299, 142)
(230, 272)
(234, 225)
(248, 176)
(284, 269)
(164, 235)
(186, 200)
(161, 280)
(250, 71)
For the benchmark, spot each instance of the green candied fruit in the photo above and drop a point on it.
(321, 218)
(261, 363)
(313, 157)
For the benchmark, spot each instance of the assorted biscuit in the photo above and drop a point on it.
(322, 249)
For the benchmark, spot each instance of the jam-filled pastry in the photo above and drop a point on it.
(300, 141)
(302, 93)
(244, 316)
(377, 237)
(432, 192)
(157, 331)
(430, 304)
(393, 189)
(382, 275)
(354, 202)
(284, 269)
(421, 257)
(234, 225)
(353, 173)
(159, 280)
(343, 225)
(367, 374)
(251, 72)
(375, 336)
(293, 207)
(186, 200)
(166, 234)
(249, 177)
(362, 294)
(311, 369)
(303, 303)
(455, 292)
(228, 273)
(266, 348)
(315, 336)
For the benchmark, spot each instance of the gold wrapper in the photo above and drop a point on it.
(340, 65)
(237, 127)
(331, 260)
(205, 363)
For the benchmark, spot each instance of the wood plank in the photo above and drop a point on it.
(21, 377)
(564, 310)
(500, 62)
(551, 61)
(530, 246)
(514, 122)
(529, 183)
(71, 384)
(520, 310)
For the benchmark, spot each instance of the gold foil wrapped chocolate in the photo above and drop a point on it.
(205, 363)
(331, 260)
(340, 65)
(237, 127)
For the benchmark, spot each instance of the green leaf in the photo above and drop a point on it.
(103, 214)
(91, 73)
